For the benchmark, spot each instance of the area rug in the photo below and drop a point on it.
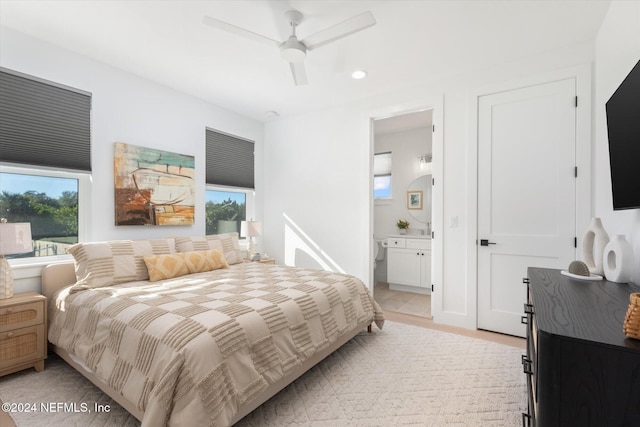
(402, 375)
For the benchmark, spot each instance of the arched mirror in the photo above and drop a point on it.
(419, 199)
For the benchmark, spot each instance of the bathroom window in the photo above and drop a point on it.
(382, 175)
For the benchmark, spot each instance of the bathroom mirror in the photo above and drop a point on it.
(419, 199)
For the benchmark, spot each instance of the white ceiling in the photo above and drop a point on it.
(403, 122)
(413, 42)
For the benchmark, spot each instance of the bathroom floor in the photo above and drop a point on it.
(402, 302)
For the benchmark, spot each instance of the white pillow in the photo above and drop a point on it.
(228, 242)
(108, 263)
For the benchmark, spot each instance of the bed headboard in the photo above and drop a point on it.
(57, 276)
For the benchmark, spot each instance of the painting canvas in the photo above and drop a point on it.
(414, 199)
(153, 187)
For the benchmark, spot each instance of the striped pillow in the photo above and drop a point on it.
(109, 263)
(163, 267)
(227, 242)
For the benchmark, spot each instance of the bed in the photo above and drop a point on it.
(202, 348)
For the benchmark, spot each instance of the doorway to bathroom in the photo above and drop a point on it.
(403, 212)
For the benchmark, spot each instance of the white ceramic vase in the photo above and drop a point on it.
(618, 260)
(593, 243)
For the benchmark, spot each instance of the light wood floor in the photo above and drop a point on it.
(402, 302)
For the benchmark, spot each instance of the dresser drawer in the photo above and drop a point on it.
(22, 346)
(20, 316)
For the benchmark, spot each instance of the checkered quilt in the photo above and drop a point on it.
(194, 349)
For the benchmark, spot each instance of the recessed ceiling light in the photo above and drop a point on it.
(359, 74)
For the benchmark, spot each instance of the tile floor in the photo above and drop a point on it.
(402, 302)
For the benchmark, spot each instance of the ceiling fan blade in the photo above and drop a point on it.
(299, 73)
(225, 26)
(338, 31)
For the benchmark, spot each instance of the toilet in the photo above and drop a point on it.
(378, 251)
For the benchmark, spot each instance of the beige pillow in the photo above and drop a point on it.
(163, 267)
(227, 242)
(109, 263)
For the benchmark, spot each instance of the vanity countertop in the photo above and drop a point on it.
(410, 236)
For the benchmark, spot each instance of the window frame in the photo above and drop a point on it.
(84, 206)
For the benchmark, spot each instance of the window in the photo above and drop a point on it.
(230, 182)
(382, 175)
(49, 201)
(45, 150)
(224, 210)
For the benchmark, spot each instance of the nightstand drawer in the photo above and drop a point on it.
(20, 316)
(21, 346)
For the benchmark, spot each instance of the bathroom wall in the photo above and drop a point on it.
(406, 147)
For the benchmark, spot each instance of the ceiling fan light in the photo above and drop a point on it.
(359, 74)
(292, 50)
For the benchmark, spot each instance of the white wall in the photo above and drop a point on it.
(129, 109)
(617, 52)
(314, 211)
(317, 166)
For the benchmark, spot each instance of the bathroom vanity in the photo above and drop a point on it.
(409, 263)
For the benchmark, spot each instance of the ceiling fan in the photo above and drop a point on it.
(294, 50)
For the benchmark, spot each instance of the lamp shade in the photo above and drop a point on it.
(251, 228)
(15, 238)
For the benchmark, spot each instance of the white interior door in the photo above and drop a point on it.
(526, 194)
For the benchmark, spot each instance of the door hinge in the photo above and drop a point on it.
(433, 234)
(433, 128)
(575, 242)
(433, 181)
(575, 172)
(576, 100)
(432, 287)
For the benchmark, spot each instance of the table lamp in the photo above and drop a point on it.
(251, 229)
(15, 238)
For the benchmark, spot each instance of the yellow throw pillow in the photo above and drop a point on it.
(201, 261)
(162, 267)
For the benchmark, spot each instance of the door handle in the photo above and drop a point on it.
(485, 242)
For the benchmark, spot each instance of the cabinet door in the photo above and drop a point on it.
(425, 270)
(403, 266)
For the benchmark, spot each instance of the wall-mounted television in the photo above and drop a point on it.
(623, 126)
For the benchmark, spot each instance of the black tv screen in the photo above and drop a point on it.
(623, 126)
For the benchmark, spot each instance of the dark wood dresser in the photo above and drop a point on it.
(581, 369)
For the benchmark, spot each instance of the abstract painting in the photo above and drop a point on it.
(153, 187)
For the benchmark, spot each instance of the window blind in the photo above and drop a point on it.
(230, 160)
(43, 123)
(382, 164)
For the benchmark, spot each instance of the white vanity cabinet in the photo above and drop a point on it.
(409, 264)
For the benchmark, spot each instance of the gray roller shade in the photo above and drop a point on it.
(229, 160)
(43, 123)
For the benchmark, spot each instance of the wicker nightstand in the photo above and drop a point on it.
(23, 332)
